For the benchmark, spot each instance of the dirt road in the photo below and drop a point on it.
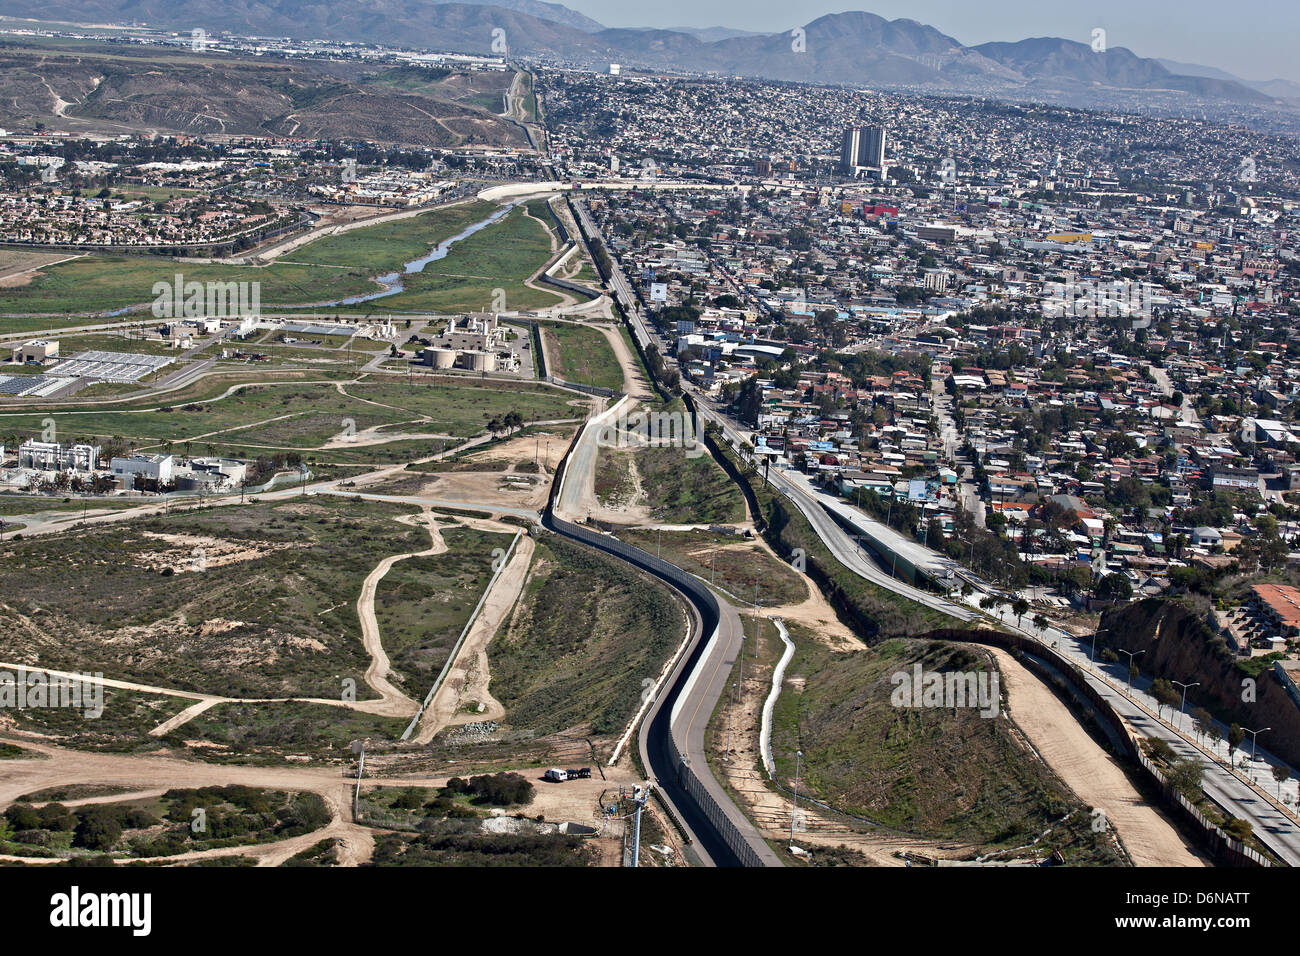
(395, 703)
(1149, 836)
(468, 677)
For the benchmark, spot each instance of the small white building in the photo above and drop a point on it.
(153, 467)
(38, 352)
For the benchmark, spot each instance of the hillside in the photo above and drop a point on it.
(177, 92)
(942, 772)
(853, 47)
(1179, 645)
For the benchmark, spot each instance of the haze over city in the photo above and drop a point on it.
(1254, 39)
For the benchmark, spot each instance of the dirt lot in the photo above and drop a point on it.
(575, 800)
(18, 268)
(488, 486)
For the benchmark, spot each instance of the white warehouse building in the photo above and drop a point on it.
(154, 467)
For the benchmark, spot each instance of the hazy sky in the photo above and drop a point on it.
(1254, 39)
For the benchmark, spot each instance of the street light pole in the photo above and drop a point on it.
(1131, 655)
(1254, 736)
(1183, 705)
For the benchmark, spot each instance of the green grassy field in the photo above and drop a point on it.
(327, 269)
(70, 345)
(301, 416)
(501, 256)
(584, 355)
(381, 248)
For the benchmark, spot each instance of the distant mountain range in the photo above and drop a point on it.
(1282, 89)
(854, 48)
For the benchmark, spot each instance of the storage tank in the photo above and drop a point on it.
(442, 358)
(481, 361)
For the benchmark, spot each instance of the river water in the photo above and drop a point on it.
(392, 282)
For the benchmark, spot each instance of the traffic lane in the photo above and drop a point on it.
(691, 731)
(1224, 789)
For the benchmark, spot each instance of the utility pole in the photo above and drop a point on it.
(639, 797)
(730, 714)
(742, 658)
(794, 811)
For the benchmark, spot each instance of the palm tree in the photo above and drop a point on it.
(1012, 524)
(1021, 608)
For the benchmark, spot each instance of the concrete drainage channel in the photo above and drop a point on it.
(769, 705)
(693, 798)
(721, 838)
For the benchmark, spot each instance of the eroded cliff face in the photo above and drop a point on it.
(1180, 645)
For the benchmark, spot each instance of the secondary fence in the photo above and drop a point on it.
(451, 658)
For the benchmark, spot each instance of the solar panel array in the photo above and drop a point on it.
(309, 328)
(111, 366)
(38, 385)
